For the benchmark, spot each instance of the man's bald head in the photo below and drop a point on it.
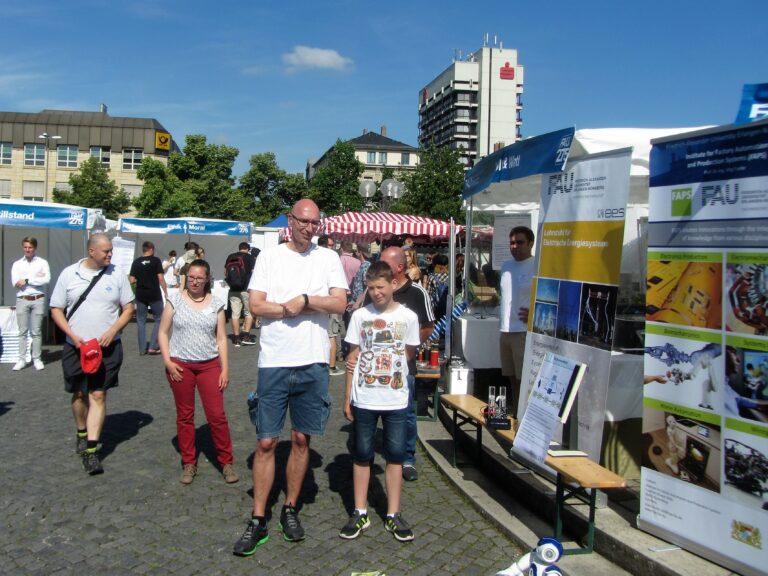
(306, 208)
(98, 239)
(395, 257)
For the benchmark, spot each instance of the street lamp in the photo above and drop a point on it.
(45, 136)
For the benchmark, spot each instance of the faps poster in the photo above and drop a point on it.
(704, 476)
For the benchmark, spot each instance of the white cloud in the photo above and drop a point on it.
(306, 58)
(253, 71)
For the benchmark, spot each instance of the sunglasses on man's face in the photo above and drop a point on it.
(305, 222)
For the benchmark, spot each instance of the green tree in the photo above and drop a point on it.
(206, 171)
(272, 188)
(434, 188)
(334, 186)
(92, 188)
(163, 194)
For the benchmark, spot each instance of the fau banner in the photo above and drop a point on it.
(704, 474)
(538, 155)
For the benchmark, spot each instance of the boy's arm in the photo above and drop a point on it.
(410, 352)
(354, 351)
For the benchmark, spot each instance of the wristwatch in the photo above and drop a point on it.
(306, 301)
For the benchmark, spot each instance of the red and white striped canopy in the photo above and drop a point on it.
(369, 226)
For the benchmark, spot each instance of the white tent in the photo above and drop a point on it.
(523, 193)
(61, 231)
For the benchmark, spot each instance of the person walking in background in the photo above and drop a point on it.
(171, 274)
(437, 285)
(193, 341)
(238, 268)
(30, 275)
(91, 300)
(190, 251)
(395, 330)
(349, 262)
(147, 276)
(415, 298)
(334, 320)
(412, 268)
(294, 287)
(515, 285)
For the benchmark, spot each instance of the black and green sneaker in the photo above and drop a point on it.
(357, 524)
(290, 525)
(254, 536)
(91, 463)
(399, 528)
(81, 444)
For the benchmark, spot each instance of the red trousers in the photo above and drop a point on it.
(205, 377)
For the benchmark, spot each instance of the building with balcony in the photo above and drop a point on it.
(376, 151)
(39, 151)
(474, 105)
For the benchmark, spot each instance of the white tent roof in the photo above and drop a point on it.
(523, 194)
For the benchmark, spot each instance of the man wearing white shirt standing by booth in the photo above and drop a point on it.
(515, 285)
(30, 275)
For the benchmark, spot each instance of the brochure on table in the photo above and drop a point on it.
(551, 399)
(573, 298)
(704, 475)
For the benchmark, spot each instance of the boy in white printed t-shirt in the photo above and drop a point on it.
(383, 336)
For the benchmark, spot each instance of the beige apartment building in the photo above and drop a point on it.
(39, 151)
(376, 151)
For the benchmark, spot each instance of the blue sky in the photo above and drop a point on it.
(292, 77)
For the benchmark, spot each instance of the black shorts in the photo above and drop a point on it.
(75, 380)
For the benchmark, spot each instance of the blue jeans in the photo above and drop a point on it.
(141, 323)
(302, 390)
(410, 432)
(393, 444)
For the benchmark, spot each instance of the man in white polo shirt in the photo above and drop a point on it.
(102, 315)
(30, 275)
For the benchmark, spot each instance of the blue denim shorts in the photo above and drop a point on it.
(394, 437)
(301, 389)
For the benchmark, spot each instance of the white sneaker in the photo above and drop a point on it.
(20, 365)
(38, 364)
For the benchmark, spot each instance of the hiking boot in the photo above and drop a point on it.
(254, 536)
(188, 473)
(399, 528)
(247, 340)
(409, 473)
(290, 525)
(356, 524)
(230, 476)
(81, 444)
(91, 463)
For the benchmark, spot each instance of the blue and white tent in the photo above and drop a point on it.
(61, 231)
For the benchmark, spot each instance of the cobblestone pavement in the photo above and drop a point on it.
(137, 518)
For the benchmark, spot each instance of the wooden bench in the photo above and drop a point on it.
(577, 476)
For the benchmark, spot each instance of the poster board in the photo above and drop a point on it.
(704, 475)
(574, 295)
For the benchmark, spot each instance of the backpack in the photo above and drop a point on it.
(439, 306)
(236, 272)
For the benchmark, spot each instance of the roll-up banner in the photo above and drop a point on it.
(704, 475)
(42, 216)
(573, 298)
(184, 226)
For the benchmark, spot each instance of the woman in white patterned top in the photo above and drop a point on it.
(193, 342)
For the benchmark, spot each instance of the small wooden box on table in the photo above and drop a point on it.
(577, 476)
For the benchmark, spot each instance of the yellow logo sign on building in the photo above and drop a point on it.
(162, 141)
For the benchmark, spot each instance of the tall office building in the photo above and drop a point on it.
(475, 104)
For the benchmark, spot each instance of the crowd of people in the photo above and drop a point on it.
(317, 313)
